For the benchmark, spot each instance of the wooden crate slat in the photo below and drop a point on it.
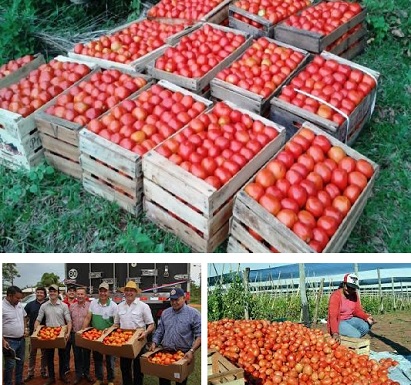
(238, 232)
(354, 50)
(70, 168)
(233, 246)
(348, 41)
(58, 128)
(222, 371)
(58, 147)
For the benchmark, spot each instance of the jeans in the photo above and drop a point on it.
(131, 370)
(163, 381)
(13, 365)
(81, 358)
(354, 327)
(32, 361)
(98, 366)
(50, 362)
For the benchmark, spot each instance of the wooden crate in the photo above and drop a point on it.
(189, 207)
(22, 71)
(25, 147)
(292, 116)
(345, 42)
(246, 99)
(358, 345)
(222, 371)
(313, 41)
(198, 84)
(60, 137)
(111, 171)
(355, 49)
(248, 214)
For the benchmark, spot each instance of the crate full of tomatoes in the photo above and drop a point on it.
(195, 60)
(112, 146)
(48, 337)
(170, 365)
(129, 47)
(20, 143)
(190, 180)
(308, 198)
(260, 17)
(320, 25)
(333, 93)
(252, 80)
(19, 68)
(60, 123)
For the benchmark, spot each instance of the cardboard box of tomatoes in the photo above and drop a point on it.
(191, 179)
(45, 337)
(320, 25)
(178, 371)
(335, 94)
(306, 199)
(88, 338)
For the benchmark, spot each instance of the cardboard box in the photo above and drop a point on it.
(59, 342)
(178, 371)
(84, 342)
(130, 349)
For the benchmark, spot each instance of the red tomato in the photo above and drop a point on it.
(323, 171)
(294, 149)
(286, 158)
(294, 177)
(333, 212)
(314, 206)
(357, 178)
(224, 175)
(342, 204)
(324, 197)
(332, 190)
(339, 177)
(336, 153)
(303, 231)
(347, 163)
(277, 168)
(309, 187)
(322, 142)
(300, 168)
(316, 179)
(364, 167)
(270, 203)
(321, 236)
(287, 217)
(265, 178)
(328, 224)
(307, 161)
(290, 204)
(316, 153)
(352, 192)
(254, 190)
(307, 218)
(298, 194)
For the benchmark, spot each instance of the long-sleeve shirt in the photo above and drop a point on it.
(334, 311)
(78, 313)
(133, 316)
(56, 314)
(177, 330)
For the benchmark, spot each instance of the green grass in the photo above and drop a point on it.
(45, 211)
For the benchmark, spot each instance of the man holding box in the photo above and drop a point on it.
(179, 328)
(133, 314)
(101, 316)
(57, 314)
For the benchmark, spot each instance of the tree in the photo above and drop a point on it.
(10, 272)
(48, 279)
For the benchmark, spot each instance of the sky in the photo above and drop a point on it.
(31, 273)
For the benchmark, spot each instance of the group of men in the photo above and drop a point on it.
(179, 328)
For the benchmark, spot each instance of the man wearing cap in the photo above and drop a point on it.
(133, 314)
(32, 310)
(78, 312)
(101, 316)
(13, 336)
(345, 314)
(69, 299)
(57, 314)
(179, 328)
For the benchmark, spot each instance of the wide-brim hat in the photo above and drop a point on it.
(132, 285)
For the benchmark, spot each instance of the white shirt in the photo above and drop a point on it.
(133, 316)
(13, 319)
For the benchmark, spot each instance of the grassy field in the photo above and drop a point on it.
(45, 211)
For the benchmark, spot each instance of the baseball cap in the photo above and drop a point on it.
(71, 287)
(104, 285)
(351, 280)
(53, 287)
(132, 285)
(176, 293)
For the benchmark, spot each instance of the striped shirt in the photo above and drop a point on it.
(133, 316)
(177, 330)
(13, 319)
(78, 313)
(56, 314)
(102, 316)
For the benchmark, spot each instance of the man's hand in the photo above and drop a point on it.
(152, 346)
(141, 336)
(189, 356)
(337, 337)
(5, 344)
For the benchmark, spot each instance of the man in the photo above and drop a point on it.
(345, 314)
(179, 328)
(133, 314)
(101, 316)
(32, 310)
(13, 336)
(69, 299)
(78, 312)
(57, 314)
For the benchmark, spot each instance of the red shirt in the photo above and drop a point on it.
(334, 310)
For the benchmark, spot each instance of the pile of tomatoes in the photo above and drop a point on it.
(325, 17)
(130, 43)
(218, 144)
(199, 52)
(118, 337)
(90, 98)
(335, 83)
(272, 10)
(262, 68)
(13, 65)
(164, 357)
(40, 86)
(142, 123)
(287, 353)
(310, 187)
(92, 334)
(49, 333)
(190, 10)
